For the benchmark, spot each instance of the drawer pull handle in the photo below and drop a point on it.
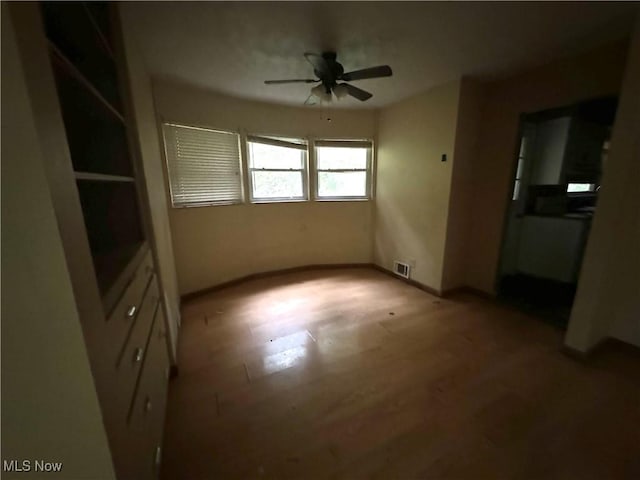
(138, 354)
(158, 457)
(131, 311)
(147, 405)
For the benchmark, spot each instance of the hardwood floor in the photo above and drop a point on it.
(353, 374)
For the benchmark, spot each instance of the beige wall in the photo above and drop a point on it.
(454, 273)
(413, 184)
(152, 160)
(50, 407)
(557, 84)
(608, 299)
(213, 245)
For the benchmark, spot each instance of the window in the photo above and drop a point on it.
(581, 187)
(203, 166)
(277, 169)
(519, 170)
(343, 169)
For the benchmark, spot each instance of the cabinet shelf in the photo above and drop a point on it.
(100, 21)
(67, 64)
(101, 177)
(113, 224)
(97, 138)
(78, 37)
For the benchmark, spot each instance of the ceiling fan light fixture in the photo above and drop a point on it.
(328, 72)
(320, 92)
(340, 91)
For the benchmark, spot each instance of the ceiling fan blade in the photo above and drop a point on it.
(299, 80)
(373, 72)
(358, 93)
(319, 64)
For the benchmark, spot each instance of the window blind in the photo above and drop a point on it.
(298, 143)
(203, 166)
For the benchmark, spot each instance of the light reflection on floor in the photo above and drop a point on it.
(283, 307)
(281, 344)
(288, 358)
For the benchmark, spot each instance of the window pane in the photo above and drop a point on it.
(520, 167)
(270, 156)
(523, 146)
(342, 184)
(277, 184)
(338, 157)
(580, 187)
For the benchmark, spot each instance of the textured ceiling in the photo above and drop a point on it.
(232, 47)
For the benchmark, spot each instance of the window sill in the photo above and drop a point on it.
(284, 200)
(199, 205)
(342, 199)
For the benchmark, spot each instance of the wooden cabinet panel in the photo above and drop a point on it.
(150, 395)
(131, 358)
(146, 420)
(583, 157)
(77, 83)
(122, 318)
(552, 247)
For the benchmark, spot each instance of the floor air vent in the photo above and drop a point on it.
(401, 269)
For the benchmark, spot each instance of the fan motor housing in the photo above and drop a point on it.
(335, 71)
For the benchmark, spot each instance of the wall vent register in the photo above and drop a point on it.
(402, 269)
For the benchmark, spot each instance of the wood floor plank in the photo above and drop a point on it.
(352, 374)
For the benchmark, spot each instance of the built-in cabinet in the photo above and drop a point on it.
(584, 152)
(74, 65)
(567, 150)
(551, 247)
(549, 149)
(82, 51)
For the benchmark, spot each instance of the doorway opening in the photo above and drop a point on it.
(561, 155)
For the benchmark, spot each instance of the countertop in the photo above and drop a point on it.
(567, 216)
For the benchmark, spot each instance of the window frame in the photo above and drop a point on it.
(241, 172)
(520, 166)
(278, 141)
(369, 144)
(590, 190)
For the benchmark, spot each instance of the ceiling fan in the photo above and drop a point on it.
(329, 72)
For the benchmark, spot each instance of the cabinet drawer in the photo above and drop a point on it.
(152, 388)
(132, 354)
(124, 313)
(147, 414)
